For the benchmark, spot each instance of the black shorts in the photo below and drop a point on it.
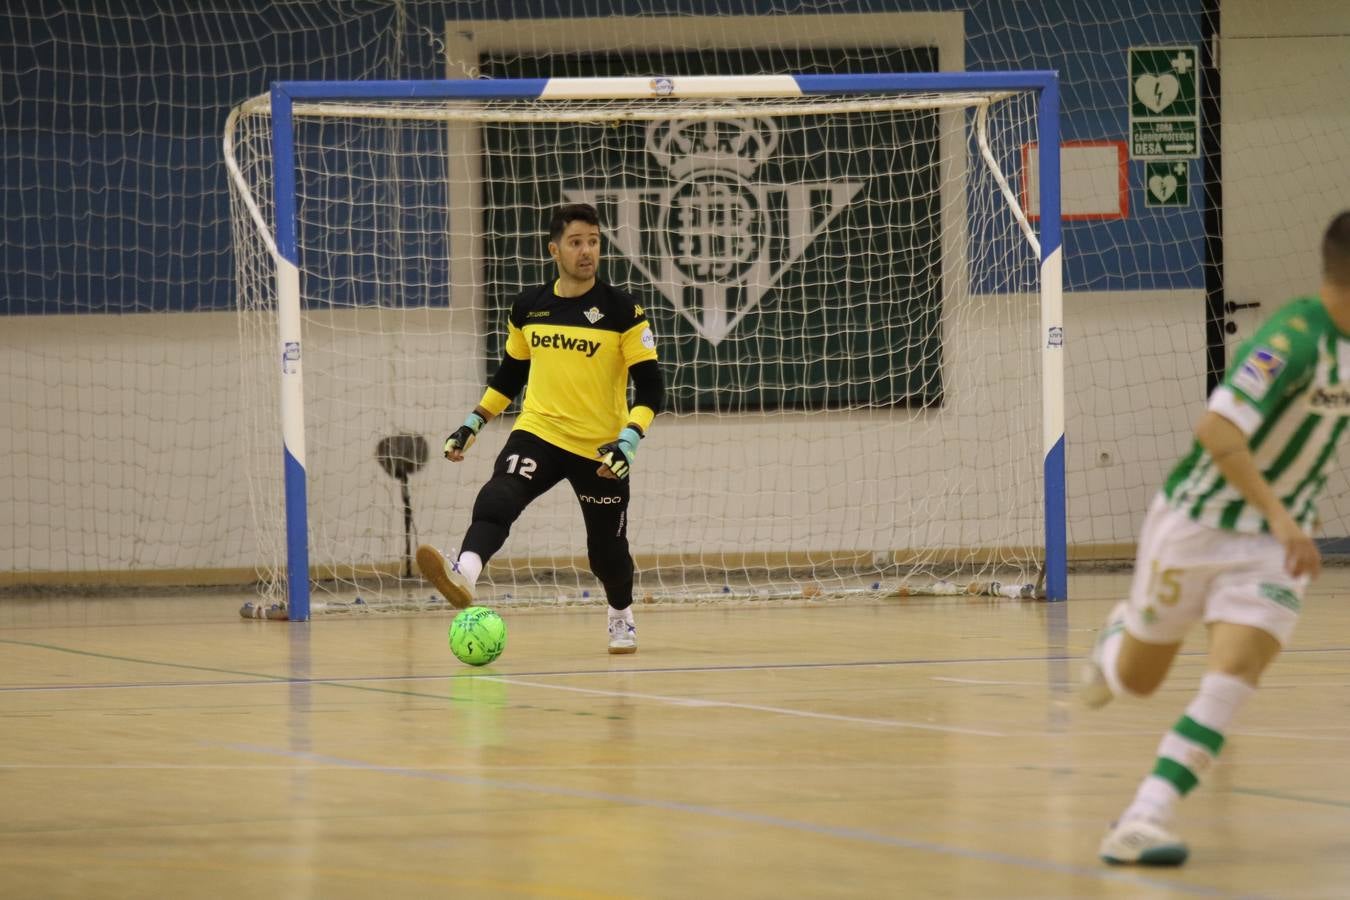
(537, 466)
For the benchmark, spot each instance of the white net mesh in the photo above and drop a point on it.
(846, 306)
(119, 405)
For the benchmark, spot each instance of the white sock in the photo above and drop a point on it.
(1114, 628)
(470, 565)
(625, 614)
(1188, 750)
(1219, 699)
(1155, 800)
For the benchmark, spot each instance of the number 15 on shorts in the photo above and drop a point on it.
(1164, 585)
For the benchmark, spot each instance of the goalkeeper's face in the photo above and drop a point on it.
(577, 252)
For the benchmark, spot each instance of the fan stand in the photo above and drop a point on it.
(401, 455)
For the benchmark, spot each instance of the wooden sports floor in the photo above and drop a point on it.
(904, 748)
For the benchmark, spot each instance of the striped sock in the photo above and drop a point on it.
(1190, 748)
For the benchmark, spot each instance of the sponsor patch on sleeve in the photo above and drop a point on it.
(1258, 372)
(648, 339)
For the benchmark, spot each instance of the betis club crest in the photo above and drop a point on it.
(711, 236)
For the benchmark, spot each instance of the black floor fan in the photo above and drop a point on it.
(402, 455)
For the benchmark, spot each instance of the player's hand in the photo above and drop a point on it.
(1301, 556)
(616, 457)
(462, 438)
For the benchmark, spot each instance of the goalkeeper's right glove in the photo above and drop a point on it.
(617, 455)
(461, 438)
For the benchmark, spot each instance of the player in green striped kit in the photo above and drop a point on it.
(1228, 542)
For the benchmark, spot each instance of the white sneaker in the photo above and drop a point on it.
(1093, 689)
(622, 632)
(1144, 843)
(447, 579)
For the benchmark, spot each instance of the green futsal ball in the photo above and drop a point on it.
(477, 636)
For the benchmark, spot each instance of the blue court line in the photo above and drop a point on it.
(745, 818)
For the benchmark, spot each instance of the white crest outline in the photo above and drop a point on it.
(731, 153)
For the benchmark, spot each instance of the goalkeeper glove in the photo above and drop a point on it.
(461, 438)
(618, 454)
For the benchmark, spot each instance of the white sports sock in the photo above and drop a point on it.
(1114, 631)
(470, 565)
(1155, 800)
(625, 614)
(1219, 699)
(1188, 750)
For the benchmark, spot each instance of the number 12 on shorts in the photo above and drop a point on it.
(516, 465)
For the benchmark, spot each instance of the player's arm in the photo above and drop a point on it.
(638, 345)
(1227, 445)
(511, 375)
(649, 391)
(1267, 368)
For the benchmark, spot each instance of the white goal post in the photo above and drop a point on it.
(860, 322)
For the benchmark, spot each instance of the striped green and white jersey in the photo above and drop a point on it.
(1288, 389)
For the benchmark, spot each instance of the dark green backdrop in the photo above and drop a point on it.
(854, 322)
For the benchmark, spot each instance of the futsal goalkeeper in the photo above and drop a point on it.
(574, 343)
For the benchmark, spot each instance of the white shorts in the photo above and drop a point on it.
(1187, 573)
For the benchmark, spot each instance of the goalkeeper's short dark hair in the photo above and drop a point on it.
(1336, 251)
(569, 213)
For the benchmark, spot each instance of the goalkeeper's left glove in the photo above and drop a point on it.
(617, 455)
(461, 438)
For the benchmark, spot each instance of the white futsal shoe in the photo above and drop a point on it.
(1142, 842)
(447, 578)
(622, 631)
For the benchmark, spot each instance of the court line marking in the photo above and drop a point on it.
(256, 678)
(753, 707)
(1109, 765)
(262, 679)
(361, 682)
(745, 818)
(682, 701)
(985, 682)
(456, 881)
(1293, 798)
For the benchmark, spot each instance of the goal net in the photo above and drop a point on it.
(844, 276)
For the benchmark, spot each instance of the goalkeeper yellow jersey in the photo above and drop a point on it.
(579, 350)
